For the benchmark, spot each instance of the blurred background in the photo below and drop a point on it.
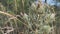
(29, 16)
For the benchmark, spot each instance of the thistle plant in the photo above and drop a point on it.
(40, 16)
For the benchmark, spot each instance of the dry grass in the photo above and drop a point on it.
(36, 21)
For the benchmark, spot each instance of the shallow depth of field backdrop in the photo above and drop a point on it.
(29, 16)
